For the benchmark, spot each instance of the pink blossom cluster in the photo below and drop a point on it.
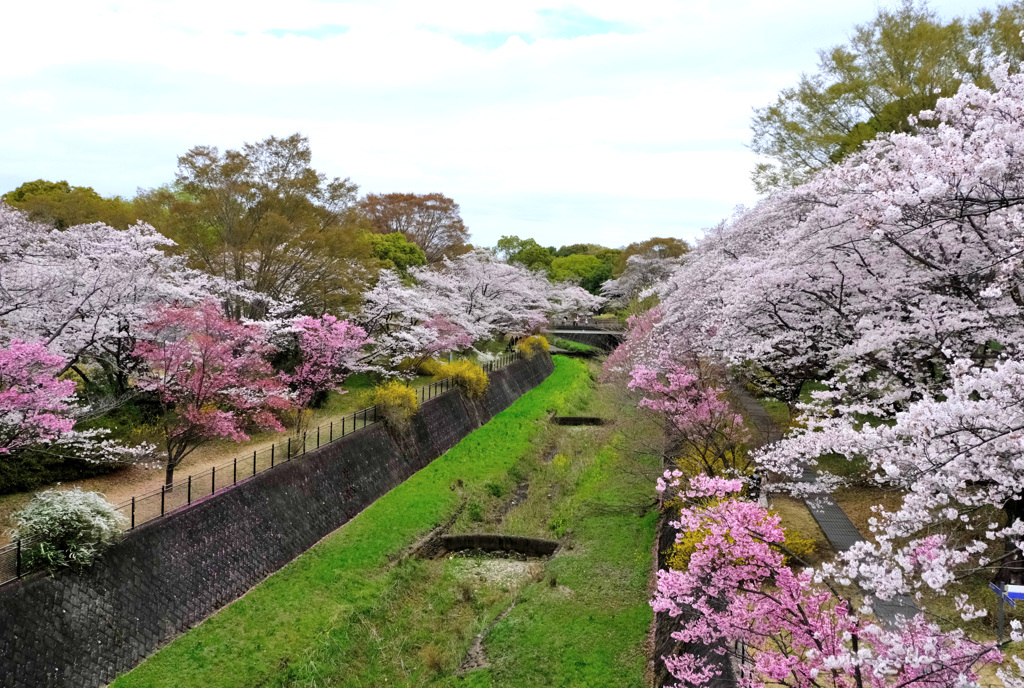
(212, 375)
(330, 351)
(701, 422)
(34, 403)
(737, 589)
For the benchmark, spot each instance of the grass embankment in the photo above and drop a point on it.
(351, 612)
(576, 347)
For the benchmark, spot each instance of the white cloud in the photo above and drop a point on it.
(599, 118)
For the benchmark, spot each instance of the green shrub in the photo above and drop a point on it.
(494, 489)
(71, 528)
(475, 512)
(30, 470)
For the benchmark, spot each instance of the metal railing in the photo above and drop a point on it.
(156, 503)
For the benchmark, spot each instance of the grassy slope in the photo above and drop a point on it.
(263, 638)
(576, 347)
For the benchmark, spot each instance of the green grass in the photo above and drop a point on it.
(575, 347)
(265, 639)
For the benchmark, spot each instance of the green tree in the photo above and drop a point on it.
(62, 205)
(996, 32)
(579, 249)
(892, 67)
(525, 251)
(396, 252)
(655, 247)
(593, 281)
(573, 267)
(263, 217)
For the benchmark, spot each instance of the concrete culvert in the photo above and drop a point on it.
(578, 420)
(489, 542)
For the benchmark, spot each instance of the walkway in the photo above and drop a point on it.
(843, 535)
(831, 518)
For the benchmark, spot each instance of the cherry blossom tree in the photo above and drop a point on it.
(471, 298)
(330, 350)
(407, 325)
(894, 278)
(957, 459)
(84, 291)
(880, 272)
(35, 405)
(702, 424)
(737, 589)
(643, 274)
(212, 376)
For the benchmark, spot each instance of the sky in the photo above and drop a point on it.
(568, 122)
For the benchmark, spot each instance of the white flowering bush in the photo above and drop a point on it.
(67, 528)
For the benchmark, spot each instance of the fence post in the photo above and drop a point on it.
(318, 437)
(303, 442)
(190, 489)
(289, 449)
(332, 431)
(133, 513)
(234, 473)
(271, 455)
(163, 491)
(18, 566)
(213, 480)
(343, 426)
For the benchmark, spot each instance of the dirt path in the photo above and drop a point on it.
(121, 485)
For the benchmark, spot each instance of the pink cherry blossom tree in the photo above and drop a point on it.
(212, 376)
(704, 429)
(85, 291)
(38, 411)
(737, 590)
(35, 405)
(330, 350)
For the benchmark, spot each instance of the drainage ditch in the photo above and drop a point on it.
(578, 420)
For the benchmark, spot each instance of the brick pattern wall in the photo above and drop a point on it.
(168, 575)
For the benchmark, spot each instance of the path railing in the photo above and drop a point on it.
(157, 503)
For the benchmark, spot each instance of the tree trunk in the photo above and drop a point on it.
(1011, 570)
(169, 478)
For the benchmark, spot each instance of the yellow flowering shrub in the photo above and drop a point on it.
(532, 345)
(470, 377)
(396, 402)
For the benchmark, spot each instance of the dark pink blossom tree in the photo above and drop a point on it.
(330, 350)
(213, 377)
(35, 406)
(707, 433)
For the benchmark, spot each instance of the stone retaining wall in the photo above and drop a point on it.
(171, 573)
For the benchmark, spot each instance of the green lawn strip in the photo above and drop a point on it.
(256, 640)
(590, 629)
(576, 347)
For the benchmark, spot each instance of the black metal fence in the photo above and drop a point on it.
(158, 502)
